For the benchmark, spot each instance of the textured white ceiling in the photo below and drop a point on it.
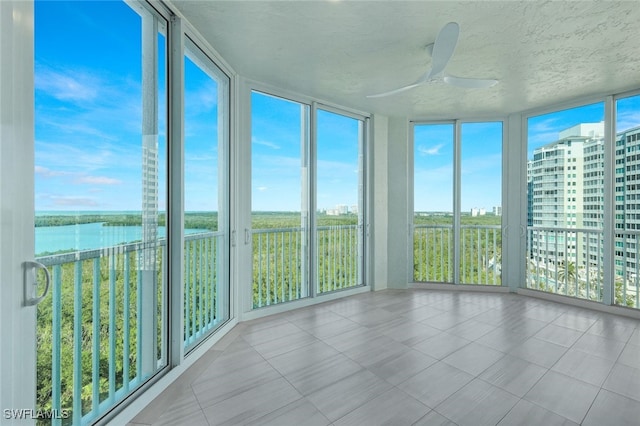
(543, 53)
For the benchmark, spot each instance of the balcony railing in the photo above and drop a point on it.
(280, 263)
(566, 261)
(480, 254)
(339, 257)
(204, 277)
(101, 330)
(433, 253)
(627, 269)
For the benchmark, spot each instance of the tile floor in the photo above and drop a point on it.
(415, 357)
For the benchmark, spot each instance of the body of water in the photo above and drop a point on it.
(90, 236)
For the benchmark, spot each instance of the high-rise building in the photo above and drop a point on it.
(557, 189)
(627, 202)
(565, 182)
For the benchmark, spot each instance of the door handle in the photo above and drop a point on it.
(32, 265)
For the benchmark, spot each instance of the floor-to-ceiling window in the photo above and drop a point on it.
(307, 199)
(480, 238)
(566, 201)
(279, 199)
(206, 201)
(457, 202)
(433, 202)
(627, 202)
(339, 237)
(100, 200)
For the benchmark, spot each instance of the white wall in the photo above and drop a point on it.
(17, 322)
(514, 196)
(390, 195)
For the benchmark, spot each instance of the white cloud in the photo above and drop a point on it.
(48, 173)
(75, 177)
(627, 120)
(265, 143)
(434, 150)
(67, 85)
(98, 180)
(72, 201)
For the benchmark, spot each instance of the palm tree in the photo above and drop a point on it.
(566, 272)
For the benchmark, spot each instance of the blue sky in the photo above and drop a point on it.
(88, 107)
(89, 142)
(201, 132)
(481, 164)
(89, 112)
(482, 158)
(546, 128)
(277, 168)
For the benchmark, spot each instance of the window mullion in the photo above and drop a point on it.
(456, 201)
(309, 137)
(176, 195)
(608, 239)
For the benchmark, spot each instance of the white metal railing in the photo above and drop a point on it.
(480, 254)
(278, 265)
(93, 328)
(280, 262)
(339, 257)
(203, 276)
(627, 269)
(566, 261)
(433, 253)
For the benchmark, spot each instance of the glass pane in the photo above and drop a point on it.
(565, 181)
(100, 184)
(627, 202)
(433, 203)
(206, 294)
(279, 212)
(339, 187)
(481, 203)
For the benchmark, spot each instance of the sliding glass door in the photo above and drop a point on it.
(100, 201)
(279, 199)
(307, 198)
(206, 196)
(339, 242)
(566, 190)
(627, 202)
(433, 202)
(480, 237)
(457, 208)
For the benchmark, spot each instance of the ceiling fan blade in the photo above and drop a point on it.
(470, 83)
(443, 48)
(419, 82)
(393, 92)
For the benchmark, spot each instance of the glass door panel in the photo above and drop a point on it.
(206, 216)
(279, 199)
(433, 203)
(481, 203)
(627, 202)
(565, 185)
(100, 200)
(339, 190)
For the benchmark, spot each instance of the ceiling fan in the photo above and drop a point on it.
(441, 52)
